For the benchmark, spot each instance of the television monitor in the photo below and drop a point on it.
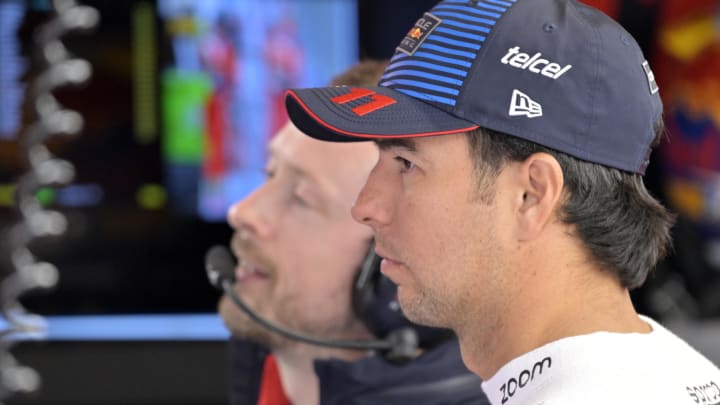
(222, 87)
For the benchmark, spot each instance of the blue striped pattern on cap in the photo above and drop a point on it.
(435, 72)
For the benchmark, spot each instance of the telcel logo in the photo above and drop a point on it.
(535, 63)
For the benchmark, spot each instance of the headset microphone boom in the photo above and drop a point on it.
(399, 345)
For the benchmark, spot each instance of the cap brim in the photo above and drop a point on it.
(349, 114)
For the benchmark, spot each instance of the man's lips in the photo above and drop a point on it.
(388, 263)
(386, 255)
(387, 266)
(246, 271)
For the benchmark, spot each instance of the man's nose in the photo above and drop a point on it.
(372, 203)
(250, 214)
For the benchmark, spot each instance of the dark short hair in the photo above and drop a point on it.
(625, 229)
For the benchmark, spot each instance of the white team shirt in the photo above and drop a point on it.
(655, 368)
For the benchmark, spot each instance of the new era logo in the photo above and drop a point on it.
(522, 105)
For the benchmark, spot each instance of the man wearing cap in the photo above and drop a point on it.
(526, 226)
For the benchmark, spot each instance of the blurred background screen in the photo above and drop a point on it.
(182, 101)
(185, 95)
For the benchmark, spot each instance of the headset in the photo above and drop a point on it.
(374, 301)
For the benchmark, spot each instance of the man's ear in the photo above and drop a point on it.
(541, 182)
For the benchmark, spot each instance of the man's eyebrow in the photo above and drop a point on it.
(404, 143)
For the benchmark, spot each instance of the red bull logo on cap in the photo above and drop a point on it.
(417, 34)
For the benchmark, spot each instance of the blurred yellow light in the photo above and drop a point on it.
(7, 192)
(151, 196)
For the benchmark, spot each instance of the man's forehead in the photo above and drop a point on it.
(289, 150)
(326, 159)
(324, 163)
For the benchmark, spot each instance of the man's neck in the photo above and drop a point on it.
(552, 303)
(295, 364)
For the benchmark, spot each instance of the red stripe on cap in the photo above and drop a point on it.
(355, 93)
(373, 136)
(377, 102)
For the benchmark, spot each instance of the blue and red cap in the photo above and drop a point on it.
(555, 72)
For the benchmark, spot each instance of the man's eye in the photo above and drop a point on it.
(406, 164)
(269, 173)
